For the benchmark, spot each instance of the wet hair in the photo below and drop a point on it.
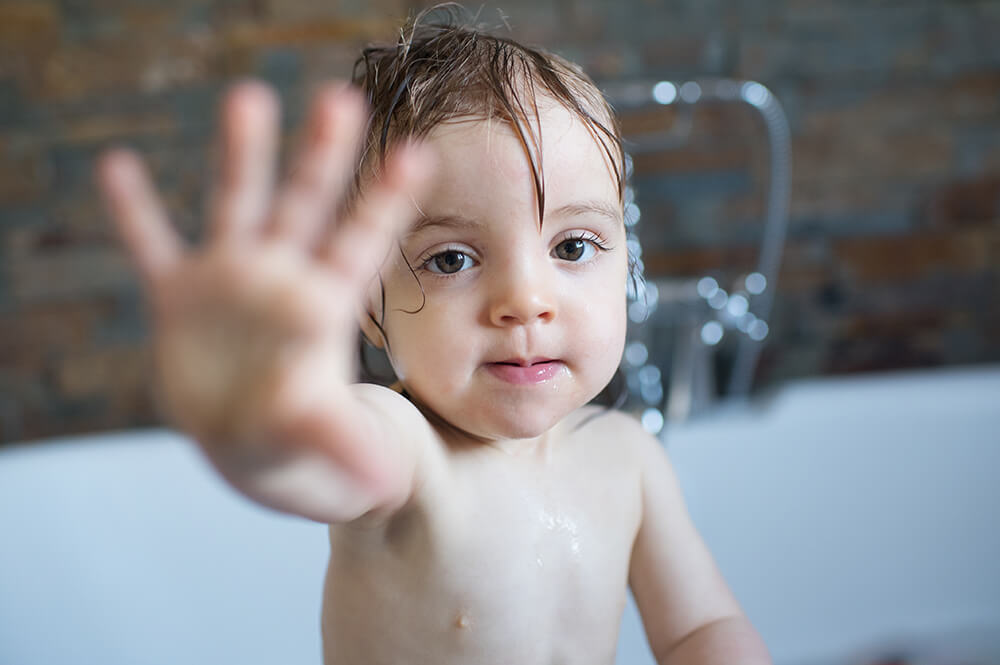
(439, 70)
(442, 68)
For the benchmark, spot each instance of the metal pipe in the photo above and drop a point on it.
(685, 95)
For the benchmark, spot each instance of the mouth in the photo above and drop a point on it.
(525, 371)
(521, 362)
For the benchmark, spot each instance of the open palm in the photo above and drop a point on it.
(258, 326)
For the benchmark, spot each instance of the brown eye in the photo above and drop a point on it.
(448, 263)
(572, 249)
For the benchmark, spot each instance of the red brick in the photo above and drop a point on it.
(34, 330)
(697, 262)
(898, 258)
(714, 123)
(120, 369)
(24, 177)
(284, 11)
(871, 153)
(904, 107)
(304, 33)
(68, 273)
(687, 159)
(31, 25)
(323, 63)
(831, 198)
(106, 126)
(678, 53)
(74, 72)
(72, 222)
(969, 202)
(887, 341)
(805, 267)
(648, 119)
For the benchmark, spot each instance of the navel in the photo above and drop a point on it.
(463, 620)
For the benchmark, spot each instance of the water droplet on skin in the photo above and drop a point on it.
(461, 621)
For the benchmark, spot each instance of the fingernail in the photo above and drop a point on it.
(118, 164)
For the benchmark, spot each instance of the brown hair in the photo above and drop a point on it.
(442, 70)
(438, 71)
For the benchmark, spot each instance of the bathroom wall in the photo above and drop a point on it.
(893, 257)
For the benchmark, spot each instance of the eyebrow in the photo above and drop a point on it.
(443, 221)
(598, 207)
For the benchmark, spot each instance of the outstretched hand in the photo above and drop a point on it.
(257, 328)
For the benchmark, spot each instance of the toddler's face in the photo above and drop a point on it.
(520, 324)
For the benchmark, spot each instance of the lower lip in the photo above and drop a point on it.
(530, 375)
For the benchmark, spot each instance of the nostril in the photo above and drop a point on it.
(520, 309)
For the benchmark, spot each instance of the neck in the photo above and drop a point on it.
(456, 437)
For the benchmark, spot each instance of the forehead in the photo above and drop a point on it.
(484, 162)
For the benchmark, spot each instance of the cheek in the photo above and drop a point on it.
(608, 311)
(424, 343)
(598, 318)
(603, 294)
(612, 322)
(403, 290)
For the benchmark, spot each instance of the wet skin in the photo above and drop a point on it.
(487, 518)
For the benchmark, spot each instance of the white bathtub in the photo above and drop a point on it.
(855, 518)
(849, 516)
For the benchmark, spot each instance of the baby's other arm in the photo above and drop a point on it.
(688, 612)
(255, 332)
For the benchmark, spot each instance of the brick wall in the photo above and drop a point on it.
(893, 258)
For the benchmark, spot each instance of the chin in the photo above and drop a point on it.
(511, 414)
(524, 421)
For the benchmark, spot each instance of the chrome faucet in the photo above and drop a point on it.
(700, 310)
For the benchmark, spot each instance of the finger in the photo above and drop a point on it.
(249, 120)
(138, 213)
(324, 166)
(362, 242)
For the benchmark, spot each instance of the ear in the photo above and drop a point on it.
(369, 329)
(368, 316)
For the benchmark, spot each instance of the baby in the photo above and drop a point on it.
(480, 510)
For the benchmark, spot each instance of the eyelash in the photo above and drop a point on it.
(425, 261)
(588, 236)
(597, 241)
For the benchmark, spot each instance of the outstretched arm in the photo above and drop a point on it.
(689, 614)
(255, 332)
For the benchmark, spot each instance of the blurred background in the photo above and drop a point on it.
(851, 504)
(892, 257)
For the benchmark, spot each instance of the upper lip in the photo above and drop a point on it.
(524, 362)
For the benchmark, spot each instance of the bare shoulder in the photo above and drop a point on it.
(411, 442)
(406, 422)
(391, 405)
(623, 431)
(617, 440)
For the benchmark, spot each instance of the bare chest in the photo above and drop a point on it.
(560, 545)
(516, 564)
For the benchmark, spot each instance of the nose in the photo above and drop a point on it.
(522, 295)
